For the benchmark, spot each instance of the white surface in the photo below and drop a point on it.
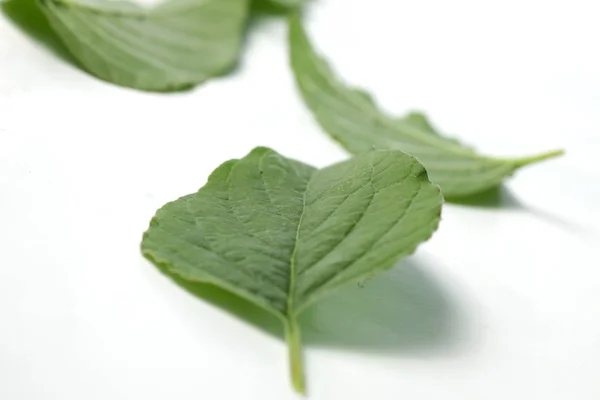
(500, 304)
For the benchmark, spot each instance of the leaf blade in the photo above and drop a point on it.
(353, 119)
(234, 205)
(373, 223)
(169, 47)
(257, 225)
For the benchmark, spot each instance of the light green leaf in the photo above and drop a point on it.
(352, 118)
(174, 45)
(283, 234)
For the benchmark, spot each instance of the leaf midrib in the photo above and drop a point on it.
(290, 312)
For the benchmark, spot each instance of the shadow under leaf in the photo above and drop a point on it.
(500, 197)
(401, 311)
(496, 197)
(230, 302)
(404, 310)
(29, 18)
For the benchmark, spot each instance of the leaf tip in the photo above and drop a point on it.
(260, 152)
(521, 162)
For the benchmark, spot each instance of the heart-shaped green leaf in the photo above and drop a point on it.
(174, 45)
(283, 234)
(352, 118)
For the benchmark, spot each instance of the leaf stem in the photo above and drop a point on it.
(293, 337)
(520, 162)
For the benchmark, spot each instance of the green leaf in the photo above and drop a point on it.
(275, 7)
(172, 46)
(352, 118)
(283, 234)
(289, 3)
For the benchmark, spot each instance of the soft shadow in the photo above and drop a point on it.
(502, 198)
(401, 311)
(231, 303)
(561, 222)
(404, 310)
(27, 16)
(496, 197)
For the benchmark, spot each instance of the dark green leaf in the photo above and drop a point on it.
(283, 234)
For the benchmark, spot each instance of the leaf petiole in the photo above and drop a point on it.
(521, 162)
(294, 341)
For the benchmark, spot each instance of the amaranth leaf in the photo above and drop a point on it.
(283, 234)
(172, 46)
(352, 118)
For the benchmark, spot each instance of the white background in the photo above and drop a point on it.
(502, 303)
